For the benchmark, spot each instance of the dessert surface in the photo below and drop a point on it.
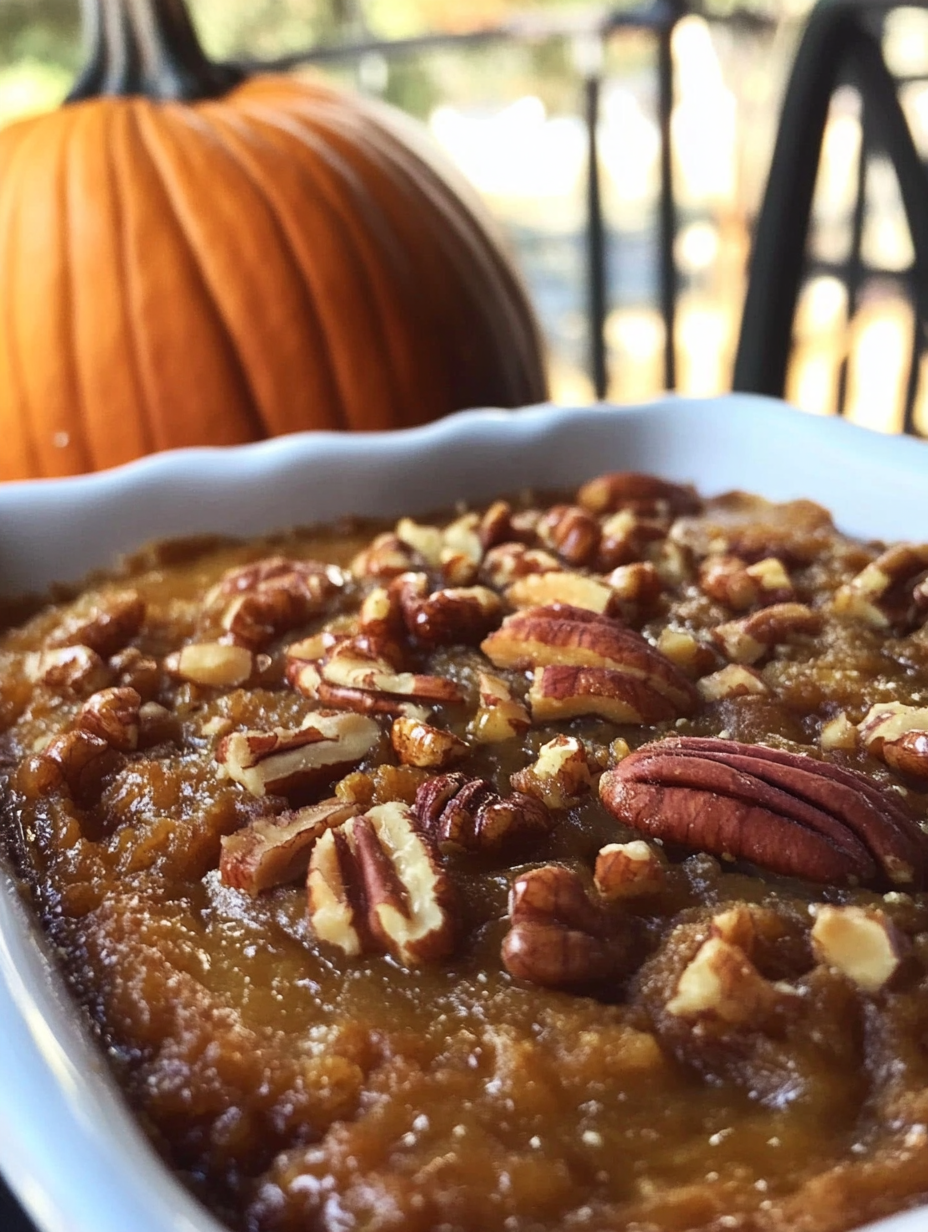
(557, 865)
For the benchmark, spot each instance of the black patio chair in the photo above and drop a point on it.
(841, 43)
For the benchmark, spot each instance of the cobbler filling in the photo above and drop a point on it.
(557, 865)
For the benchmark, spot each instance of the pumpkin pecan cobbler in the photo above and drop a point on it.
(554, 866)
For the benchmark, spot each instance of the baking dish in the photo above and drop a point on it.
(70, 1149)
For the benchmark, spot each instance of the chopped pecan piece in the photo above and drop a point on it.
(738, 585)
(784, 811)
(272, 851)
(883, 593)
(559, 937)
(76, 670)
(376, 883)
(571, 532)
(560, 586)
(214, 664)
(748, 639)
(385, 557)
(461, 550)
(419, 744)
(354, 674)
(425, 541)
(721, 982)
(271, 596)
(134, 670)
(735, 680)
(470, 815)
(838, 733)
(500, 717)
(636, 586)
(629, 870)
(898, 735)
(644, 494)
(686, 651)
(565, 692)
(496, 525)
(307, 679)
(380, 616)
(726, 580)
(627, 538)
(504, 564)
(455, 615)
(561, 636)
(560, 775)
(279, 761)
(79, 760)
(861, 943)
(113, 714)
(108, 627)
(773, 579)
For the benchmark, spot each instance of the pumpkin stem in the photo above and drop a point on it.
(147, 47)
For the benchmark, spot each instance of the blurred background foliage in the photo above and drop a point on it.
(509, 113)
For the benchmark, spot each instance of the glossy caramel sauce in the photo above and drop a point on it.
(293, 1087)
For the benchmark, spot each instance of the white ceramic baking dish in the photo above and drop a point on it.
(68, 1147)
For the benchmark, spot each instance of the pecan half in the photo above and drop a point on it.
(376, 883)
(282, 760)
(559, 937)
(470, 815)
(272, 851)
(561, 636)
(784, 811)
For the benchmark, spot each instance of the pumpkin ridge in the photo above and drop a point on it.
(146, 132)
(223, 126)
(453, 230)
(76, 430)
(341, 177)
(20, 424)
(412, 261)
(477, 256)
(255, 286)
(126, 281)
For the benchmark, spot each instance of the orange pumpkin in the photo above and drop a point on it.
(190, 257)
